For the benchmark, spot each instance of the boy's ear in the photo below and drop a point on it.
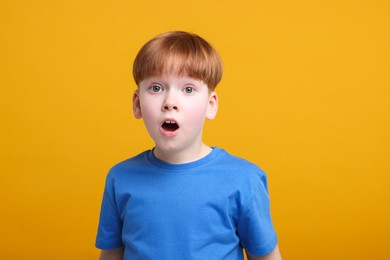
(212, 106)
(136, 105)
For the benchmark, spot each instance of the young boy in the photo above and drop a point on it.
(183, 199)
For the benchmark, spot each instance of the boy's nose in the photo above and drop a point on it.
(169, 107)
(169, 103)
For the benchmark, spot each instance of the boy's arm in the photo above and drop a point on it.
(113, 254)
(274, 255)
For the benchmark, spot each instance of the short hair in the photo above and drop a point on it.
(181, 53)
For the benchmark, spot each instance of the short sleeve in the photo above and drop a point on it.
(110, 224)
(255, 228)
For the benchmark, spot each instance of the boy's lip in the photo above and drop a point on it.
(169, 127)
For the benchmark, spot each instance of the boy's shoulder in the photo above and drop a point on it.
(136, 162)
(235, 162)
(219, 162)
(241, 167)
(243, 173)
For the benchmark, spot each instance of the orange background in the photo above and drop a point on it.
(305, 95)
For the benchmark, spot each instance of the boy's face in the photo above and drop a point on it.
(174, 109)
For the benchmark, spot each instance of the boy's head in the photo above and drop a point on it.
(179, 53)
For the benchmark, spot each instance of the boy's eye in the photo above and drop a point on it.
(156, 88)
(188, 90)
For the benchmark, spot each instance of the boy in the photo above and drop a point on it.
(183, 199)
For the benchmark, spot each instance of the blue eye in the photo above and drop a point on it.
(188, 90)
(156, 88)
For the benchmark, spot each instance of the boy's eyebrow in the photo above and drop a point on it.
(181, 81)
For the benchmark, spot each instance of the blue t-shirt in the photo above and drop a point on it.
(207, 209)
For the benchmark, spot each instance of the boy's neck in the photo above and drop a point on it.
(182, 157)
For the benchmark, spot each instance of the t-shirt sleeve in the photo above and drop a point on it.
(255, 227)
(110, 224)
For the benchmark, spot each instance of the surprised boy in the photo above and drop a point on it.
(183, 199)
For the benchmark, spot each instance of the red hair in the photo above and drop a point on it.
(181, 53)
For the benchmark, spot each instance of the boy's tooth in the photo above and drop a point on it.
(170, 122)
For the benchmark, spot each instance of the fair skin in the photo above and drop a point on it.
(274, 255)
(113, 254)
(174, 109)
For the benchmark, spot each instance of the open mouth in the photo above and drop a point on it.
(170, 125)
